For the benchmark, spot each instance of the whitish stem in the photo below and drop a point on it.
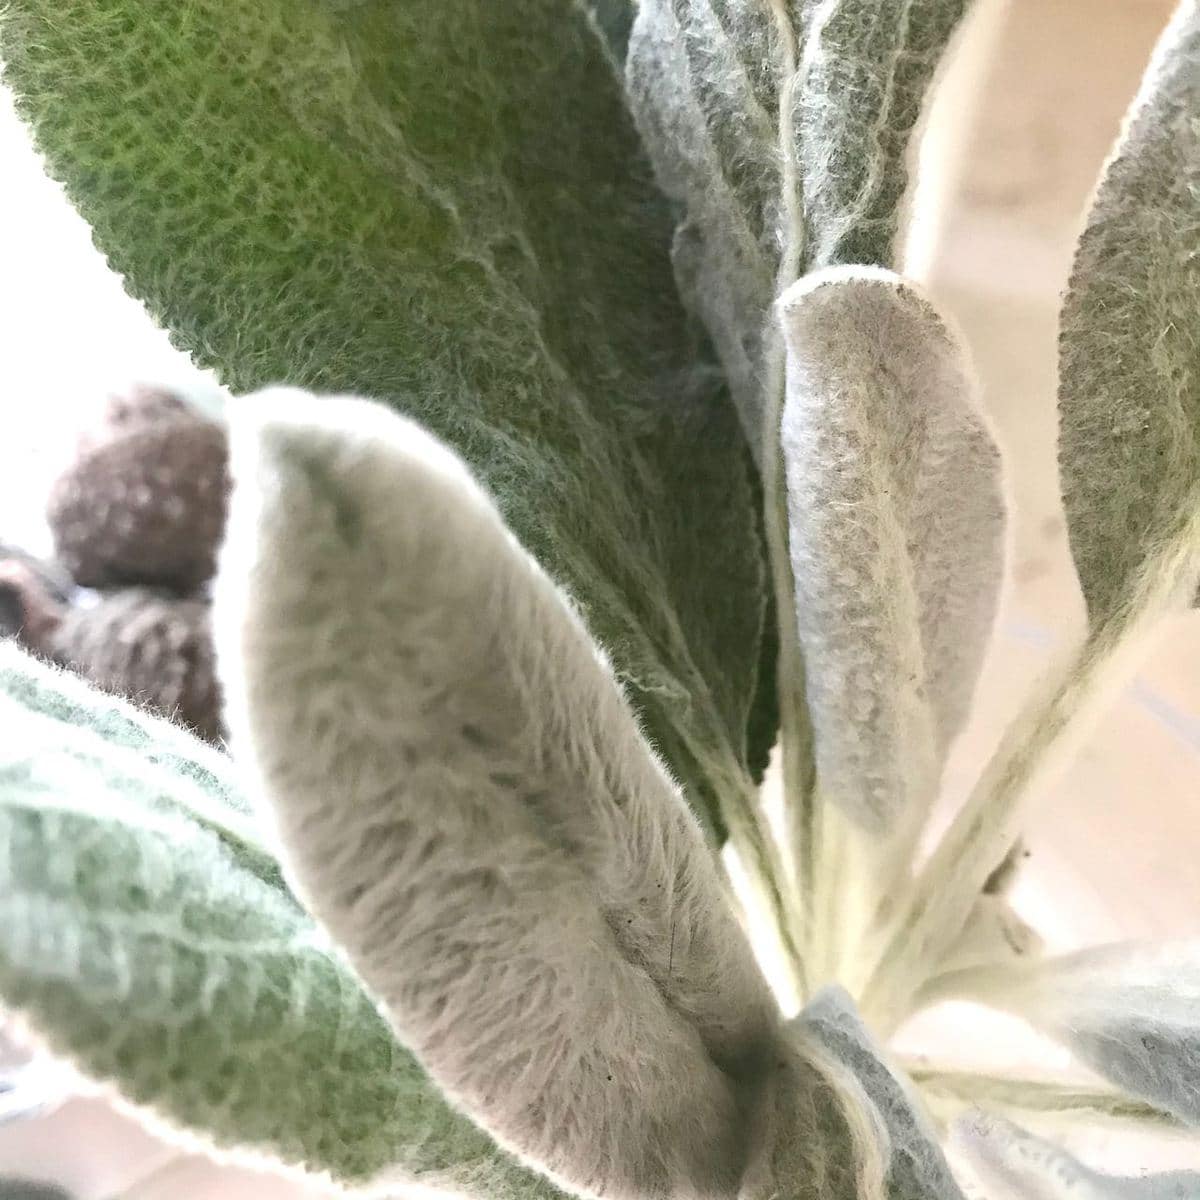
(794, 730)
(1034, 749)
(948, 1093)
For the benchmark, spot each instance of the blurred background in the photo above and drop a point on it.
(1018, 130)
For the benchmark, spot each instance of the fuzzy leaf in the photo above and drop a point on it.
(896, 532)
(1129, 396)
(1130, 1011)
(146, 935)
(468, 806)
(1013, 1164)
(838, 1106)
(783, 129)
(442, 205)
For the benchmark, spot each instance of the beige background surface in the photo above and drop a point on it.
(1016, 138)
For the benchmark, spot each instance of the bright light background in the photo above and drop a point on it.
(69, 333)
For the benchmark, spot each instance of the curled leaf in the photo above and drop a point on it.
(1129, 397)
(1013, 1164)
(896, 533)
(467, 804)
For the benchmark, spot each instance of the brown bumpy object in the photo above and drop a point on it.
(155, 649)
(144, 501)
(138, 514)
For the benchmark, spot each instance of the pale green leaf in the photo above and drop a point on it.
(1129, 396)
(146, 937)
(782, 128)
(1013, 1164)
(469, 808)
(896, 534)
(443, 206)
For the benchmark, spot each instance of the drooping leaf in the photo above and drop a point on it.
(1129, 396)
(442, 205)
(146, 935)
(1013, 1164)
(862, 1110)
(782, 128)
(1130, 1011)
(468, 806)
(896, 534)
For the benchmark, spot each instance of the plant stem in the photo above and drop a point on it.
(1035, 746)
(948, 1093)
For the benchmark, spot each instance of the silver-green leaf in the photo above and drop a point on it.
(444, 206)
(146, 935)
(1129, 395)
(836, 1120)
(896, 533)
(782, 128)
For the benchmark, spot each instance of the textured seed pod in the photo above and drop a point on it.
(155, 649)
(33, 598)
(144, 501)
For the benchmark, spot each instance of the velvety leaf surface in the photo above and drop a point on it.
(850, 1126)
(1130, 1011)
(1129, 396)
(442, 205)
(896, 535)
(146, 935)
(1013, 1164)
(782, 128)
(467, 805)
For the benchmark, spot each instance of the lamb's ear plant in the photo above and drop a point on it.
(608, 446)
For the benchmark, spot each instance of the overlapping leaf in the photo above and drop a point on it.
(468, 806)
(1013, 1164)
(1131, 1012)
(442, 205)
(896, 534)
(146, 935)
(783, 129)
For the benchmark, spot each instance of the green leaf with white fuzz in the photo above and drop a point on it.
(1130, 1011)
(468, 806)
(782, 128)
(145, 934)
(1013, 1164)
(1129, 396)
(443, 206)
(896, 534)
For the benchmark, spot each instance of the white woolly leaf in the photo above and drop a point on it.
(1130, 1011)
(468, 806)
(896, 533)
(1013, 1164)
(836, 1121)
(782, 127)
(1130, 357)
(146, 935)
